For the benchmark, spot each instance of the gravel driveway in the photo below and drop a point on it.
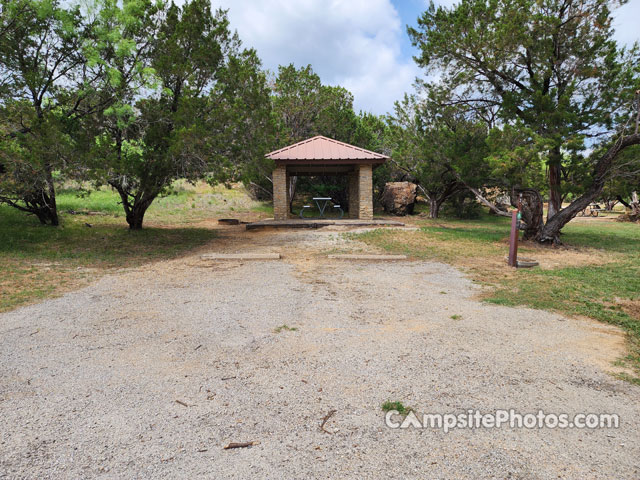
(149, 373)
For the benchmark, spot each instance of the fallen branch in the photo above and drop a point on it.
(482, 199)
(324, 420)
(240, 445)
(180, 402)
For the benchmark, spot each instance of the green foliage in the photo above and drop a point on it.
(44, 90)
(625, 177)
(514, 159)
(303, 107)
(550, 75)
(188, 103)
(552, 65)
(463, 205)
(130, 93)
(441, 149)
(372, 134)
(389, 406)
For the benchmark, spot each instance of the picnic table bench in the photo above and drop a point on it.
(592, 210)
(321, 203)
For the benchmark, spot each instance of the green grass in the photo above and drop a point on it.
(102, 201)
(397, 406)
(107, 241)
(263, 207)
(40, 261)
(607, 290)
(284, 327)
(456, 317)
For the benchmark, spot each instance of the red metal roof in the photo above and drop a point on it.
(323, 148)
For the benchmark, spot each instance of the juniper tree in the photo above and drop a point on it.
(552, 68)
(46, 86)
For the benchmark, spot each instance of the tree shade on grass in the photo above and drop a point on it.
(38, 261)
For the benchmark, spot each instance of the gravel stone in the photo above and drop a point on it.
(150, 372)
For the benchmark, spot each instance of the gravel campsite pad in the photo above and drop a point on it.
(151, 372)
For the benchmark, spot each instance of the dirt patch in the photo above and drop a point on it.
(630, 307)
(40, 280)
(604, 346)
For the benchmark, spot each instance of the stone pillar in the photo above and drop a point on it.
(365, 187)
(280, 193)
(354, 194)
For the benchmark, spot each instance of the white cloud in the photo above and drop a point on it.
(626, 21)
(352, 43)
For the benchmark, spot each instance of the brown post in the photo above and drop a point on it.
(354, 194)
(513, 240)
(280, 193)
(365, 190)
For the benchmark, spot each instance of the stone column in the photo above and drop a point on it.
(280, 193)
(365, 187)
(354, 194)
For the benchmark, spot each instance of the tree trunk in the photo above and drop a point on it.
(437, 199)
(47, 216)
(135, 215)
(623, 202)
(551, 231)
(135, 206)
(51, 204)
(635, 205)
(531, 209)
(434, 207)
(481, 198)
(41, 203)
(555, 175)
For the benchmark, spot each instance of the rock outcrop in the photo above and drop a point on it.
(399, 198)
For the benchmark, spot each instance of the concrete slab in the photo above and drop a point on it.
(321, 222)
(367, 257)
(241, 256)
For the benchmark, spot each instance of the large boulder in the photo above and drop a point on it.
(399, 198)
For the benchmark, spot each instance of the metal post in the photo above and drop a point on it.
(513, 240)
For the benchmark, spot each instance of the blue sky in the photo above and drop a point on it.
(361, 45)
(409, 11)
